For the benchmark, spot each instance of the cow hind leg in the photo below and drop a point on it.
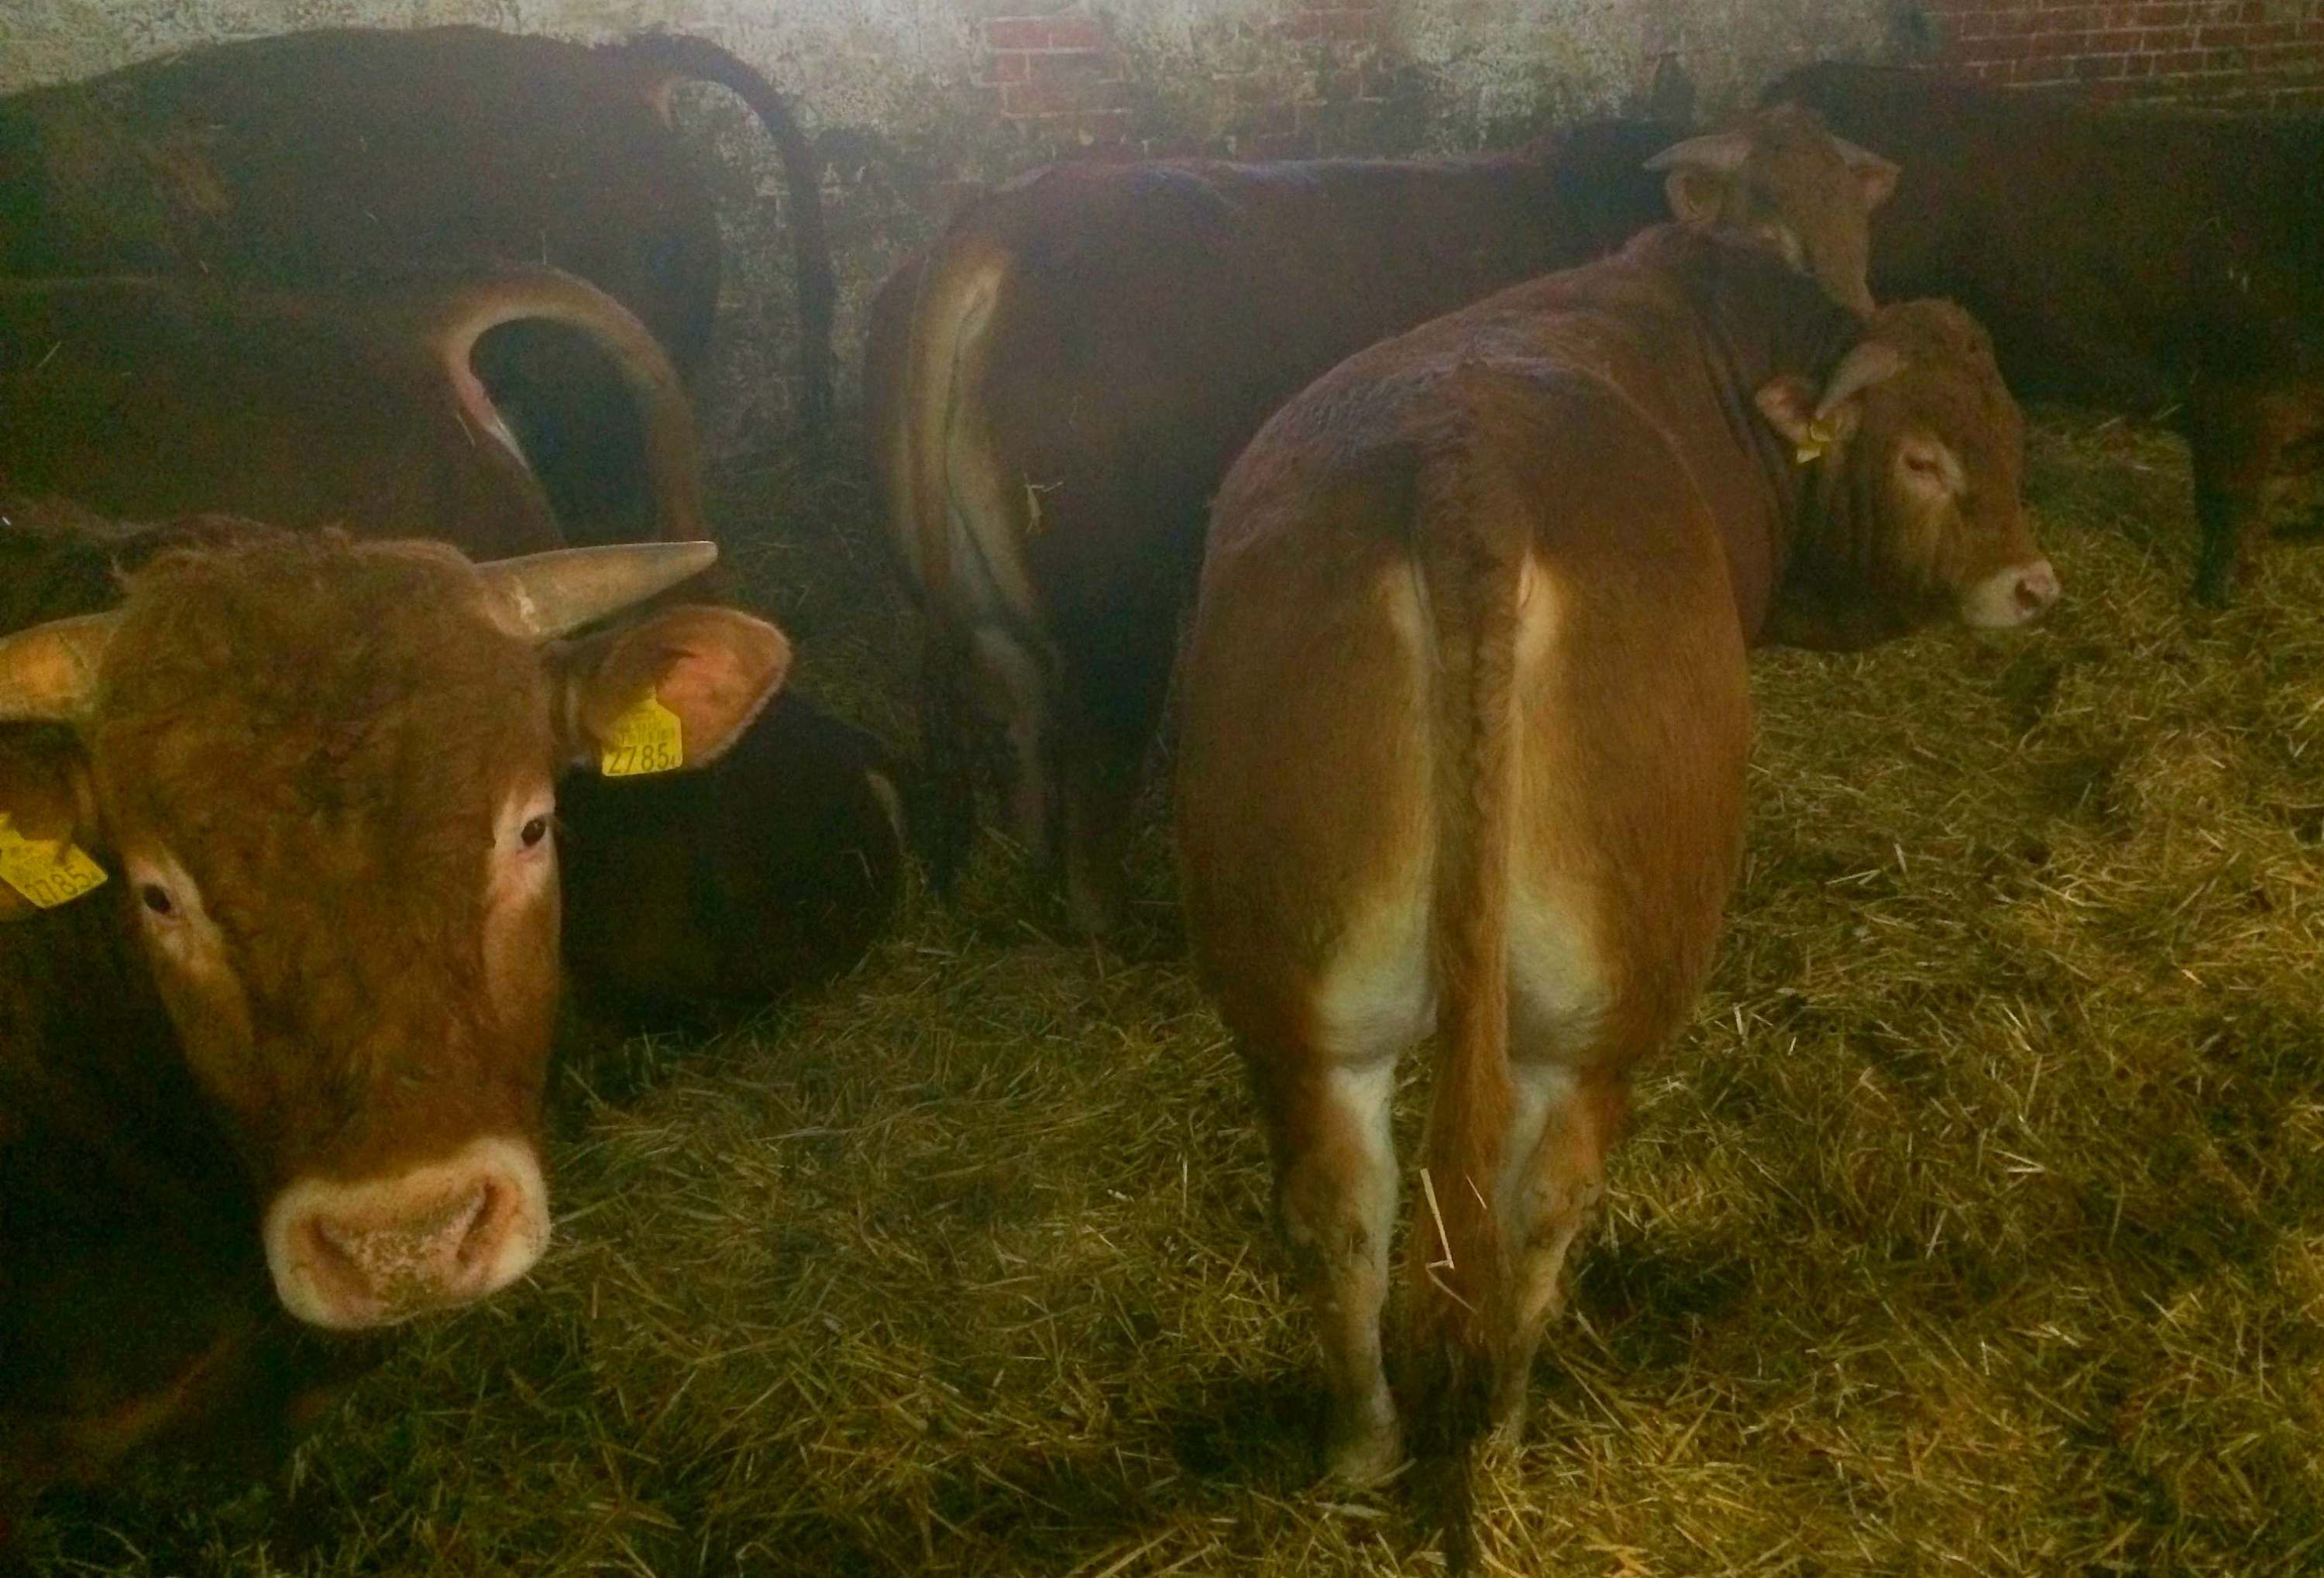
(1014, 684)
(1335, 1204)
(1561, 1129)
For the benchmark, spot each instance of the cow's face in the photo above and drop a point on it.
(1779, 175)
(1911, 507)
(325, 775)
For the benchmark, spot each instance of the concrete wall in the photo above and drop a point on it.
(914, 103)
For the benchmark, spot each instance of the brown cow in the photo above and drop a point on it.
(330, 157)
(135, 1300)
(1464, 727)
(320, 775)
(2155, 261)
(149, 397)
(1057, 387)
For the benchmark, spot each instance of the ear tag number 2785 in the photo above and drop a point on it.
(648, 738)
(48, 873)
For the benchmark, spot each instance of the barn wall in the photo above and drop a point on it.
(914, 103)
(2259, 52)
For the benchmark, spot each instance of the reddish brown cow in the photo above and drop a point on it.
(1464, 727)
(1057, 387)
(328, 158)
(149, 397)
(320, 775)
(135, 1300)
(2160, 262)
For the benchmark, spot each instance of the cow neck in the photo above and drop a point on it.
(1745, 351)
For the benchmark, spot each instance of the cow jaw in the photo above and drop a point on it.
(350, 1255)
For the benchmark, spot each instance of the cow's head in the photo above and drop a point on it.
(1778, 174)
(324, 773)
(1913, 451)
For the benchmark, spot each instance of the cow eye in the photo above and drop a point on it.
(533, 832)
(156, 897)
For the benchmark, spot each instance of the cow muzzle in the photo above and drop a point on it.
(374, 1251)
(2010, 597)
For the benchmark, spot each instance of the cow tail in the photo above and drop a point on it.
(960, 285)
(1473, 566)
(698, 60)
(673, 447)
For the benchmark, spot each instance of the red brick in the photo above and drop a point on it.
(2113, 43)
(1074, 66)
(2163, 15)
(1058, 97)
(1009, 66)
(2052, 46)
(1018, 33)
(1078, 32)
(2089, 67)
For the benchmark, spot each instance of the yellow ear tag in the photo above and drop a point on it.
(47, 872)
(648, 738)
(1820, 437)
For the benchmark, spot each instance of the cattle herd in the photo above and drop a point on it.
(350, 701)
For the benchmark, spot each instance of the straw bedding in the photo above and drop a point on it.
(1975, 1226)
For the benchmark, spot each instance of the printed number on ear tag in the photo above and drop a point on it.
(648, 738)
(47, 872)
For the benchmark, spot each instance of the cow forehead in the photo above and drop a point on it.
(355, 685)
(1951, 382)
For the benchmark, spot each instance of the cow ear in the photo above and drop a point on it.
(45, 797)
(678, 688)
(1696, 193)
(1876, 175)
(1789, 404)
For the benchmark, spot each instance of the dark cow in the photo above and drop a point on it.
(2153, 261)
(1465, 716)
(298, 1034)
(687, 897)
(1057, 385)
(331, 157)
(149, 397)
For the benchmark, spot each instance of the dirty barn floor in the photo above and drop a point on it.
(1976, 1226)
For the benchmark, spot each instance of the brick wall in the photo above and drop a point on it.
(1312, 78)
(2258, 53)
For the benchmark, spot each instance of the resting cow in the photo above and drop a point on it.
(1057, 385)
(1465, 721)
(306, 1016)
(332, 157)
(2154, 260)
(149, 397)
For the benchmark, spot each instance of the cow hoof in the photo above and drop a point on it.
(1366, 1450)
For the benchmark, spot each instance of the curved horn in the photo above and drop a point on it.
(546, 594)
(1722, 151)
(1871, 362)
(47, 673)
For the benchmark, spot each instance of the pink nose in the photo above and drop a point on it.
(2037, 587)
(352, 1255)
